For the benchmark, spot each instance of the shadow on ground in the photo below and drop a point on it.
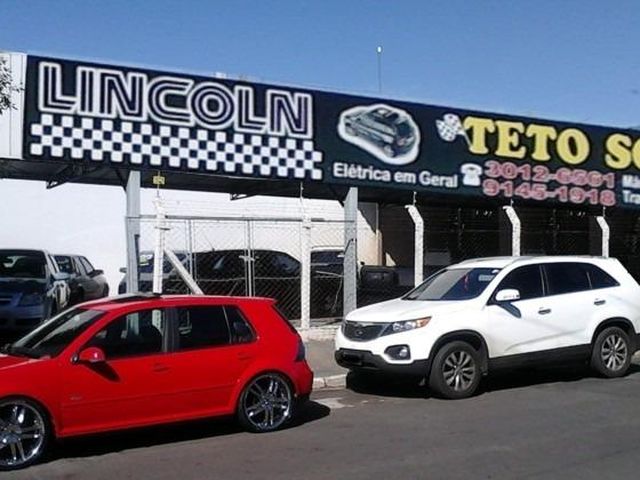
(105, 443)
(388, 386)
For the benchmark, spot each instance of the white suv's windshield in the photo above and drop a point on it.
(453, 284)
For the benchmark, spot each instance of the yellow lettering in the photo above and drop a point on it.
(509, 139)
(479, 128)
(618, 154)
(635, 152)
(541, 135)
(573, 146)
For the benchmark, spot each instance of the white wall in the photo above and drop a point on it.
(89, 220)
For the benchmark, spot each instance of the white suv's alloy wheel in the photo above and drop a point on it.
(614, 352)
(459, 370)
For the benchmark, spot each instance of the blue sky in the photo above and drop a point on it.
(564, 60)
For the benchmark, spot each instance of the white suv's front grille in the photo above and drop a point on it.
(361, 332)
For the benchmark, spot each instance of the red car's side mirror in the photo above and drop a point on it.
(92, 355)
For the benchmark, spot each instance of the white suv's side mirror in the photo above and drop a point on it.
(508, 295)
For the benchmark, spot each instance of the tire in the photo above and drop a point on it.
(389, 151)
(455, 372)
(266, 404)
(611, 353)
(27, 432)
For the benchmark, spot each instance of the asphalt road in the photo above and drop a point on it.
(527, 424)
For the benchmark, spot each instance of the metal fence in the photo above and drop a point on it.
(251, 256)
(271, 257)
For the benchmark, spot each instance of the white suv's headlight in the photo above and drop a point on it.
(405, 326)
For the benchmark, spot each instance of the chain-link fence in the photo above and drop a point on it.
(625, 239)
(266, 256)
(552, 231)
(251, 257)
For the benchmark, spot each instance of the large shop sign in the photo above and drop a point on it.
(80, 112)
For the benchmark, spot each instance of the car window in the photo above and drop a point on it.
(134, 334)
(454, 284)
(527, 280)
(65, 264)
(327, 257)
(275, 264)
(599, 278)
(566, 277)
(201, 327)
(53, 336)
(241, 331)
(78, 266)
(404, 129)
(87, 265)
(223, 265)
(21, 264)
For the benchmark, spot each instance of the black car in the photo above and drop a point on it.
(264, 273)
(32, 289)
(171, 281)
(85, 282)
(383, 127)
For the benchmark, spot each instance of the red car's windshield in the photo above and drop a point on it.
(51, 338)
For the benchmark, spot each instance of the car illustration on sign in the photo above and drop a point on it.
(388, 133)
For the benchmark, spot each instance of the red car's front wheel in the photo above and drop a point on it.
(24, 433)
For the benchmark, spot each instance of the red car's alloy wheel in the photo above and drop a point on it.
(266, 403)
(23, 433)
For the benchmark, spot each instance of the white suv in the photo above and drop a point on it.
(489, 313)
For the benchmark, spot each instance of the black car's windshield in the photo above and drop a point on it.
(22, 264)
(453, 284)
(327, 256)
(145, 262)
(52, 337)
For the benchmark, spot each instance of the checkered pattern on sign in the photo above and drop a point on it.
(118, 141)
(450, 127)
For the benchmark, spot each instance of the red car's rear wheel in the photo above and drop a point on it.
(266, 403)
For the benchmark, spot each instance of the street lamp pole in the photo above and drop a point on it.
(379, 55)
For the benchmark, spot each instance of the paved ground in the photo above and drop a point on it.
(320, 358)
(529, 424)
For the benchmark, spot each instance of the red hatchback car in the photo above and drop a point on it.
(132, 361)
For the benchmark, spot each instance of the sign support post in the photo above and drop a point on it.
(418, 264)
(305, 286)
(599, 235)
(515, 229)
(132, 228)
(350, 261)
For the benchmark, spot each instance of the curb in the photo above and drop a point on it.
(330, 381)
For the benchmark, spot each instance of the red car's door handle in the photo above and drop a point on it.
(160, 367)
(244, 356)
